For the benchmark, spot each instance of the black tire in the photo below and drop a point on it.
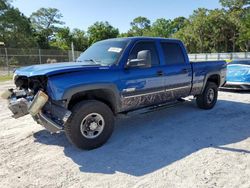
(205, 101)
(82, 110)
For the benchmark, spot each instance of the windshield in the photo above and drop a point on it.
(103, 53)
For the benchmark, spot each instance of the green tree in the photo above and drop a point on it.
(46, 22)
(244, 34)
(235, 4)
(80, 40)
(194, 32)
(15, 28)
(199, 22)
(215, 22)
(161, 28)
(100, 31)
(4, 5)
(140, 26)
(188, 36)
(178, 23)
(64, 37)
(218, 30)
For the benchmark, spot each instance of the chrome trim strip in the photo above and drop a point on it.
(143, 94)
(177, 88)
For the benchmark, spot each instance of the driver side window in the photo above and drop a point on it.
(145, 46)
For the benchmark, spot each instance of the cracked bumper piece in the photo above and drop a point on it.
(38, 102)
(50, 116)
(19, 107)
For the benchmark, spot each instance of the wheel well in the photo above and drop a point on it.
(214, 78)
(104, 95)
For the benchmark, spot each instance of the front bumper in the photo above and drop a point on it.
(45, 112)
(48, 123)
(237, 86)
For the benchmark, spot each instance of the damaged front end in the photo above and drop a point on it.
(30, 97)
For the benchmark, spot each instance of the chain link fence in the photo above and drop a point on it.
(12, 58)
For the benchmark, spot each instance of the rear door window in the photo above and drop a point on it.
(173, 53)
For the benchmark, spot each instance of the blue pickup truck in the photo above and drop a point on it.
(112, 77)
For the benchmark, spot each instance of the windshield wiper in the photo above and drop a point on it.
(97, 62)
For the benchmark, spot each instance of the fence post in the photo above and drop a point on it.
(40, 56)
(7, 61)
(69, 55)
(206, 56)
(218, 56)
(73, 51)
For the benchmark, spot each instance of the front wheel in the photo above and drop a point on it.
(90, 125)
(208, 98)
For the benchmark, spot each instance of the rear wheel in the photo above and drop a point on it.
(90, 125)
(208, 98)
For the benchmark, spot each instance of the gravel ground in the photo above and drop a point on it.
(181, 146)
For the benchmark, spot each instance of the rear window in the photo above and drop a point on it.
(172, 53)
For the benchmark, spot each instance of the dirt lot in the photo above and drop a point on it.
(181, 146)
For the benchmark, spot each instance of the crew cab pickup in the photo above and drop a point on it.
(112, 77)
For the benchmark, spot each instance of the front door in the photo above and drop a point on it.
(140, 86)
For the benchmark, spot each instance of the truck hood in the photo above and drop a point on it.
(238, 73)
(55, 68)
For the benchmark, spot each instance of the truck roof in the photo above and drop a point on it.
(143, 38)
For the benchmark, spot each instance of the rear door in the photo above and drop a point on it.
(142, 86)
(177, 70)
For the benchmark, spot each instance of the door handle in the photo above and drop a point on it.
(160, 73)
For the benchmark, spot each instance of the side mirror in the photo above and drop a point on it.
(143, 60)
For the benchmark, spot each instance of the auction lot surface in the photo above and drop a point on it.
(181, 146)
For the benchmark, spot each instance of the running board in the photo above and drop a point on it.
(152, 108)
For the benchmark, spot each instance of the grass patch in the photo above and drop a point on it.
(5, 78)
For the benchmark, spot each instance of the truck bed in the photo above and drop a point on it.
(203, 69)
